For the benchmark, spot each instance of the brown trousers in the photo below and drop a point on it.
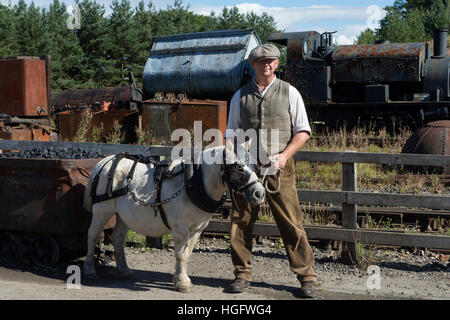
(288, 216)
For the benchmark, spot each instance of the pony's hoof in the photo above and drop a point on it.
(184, 288)
(90, 276)
(126, 274)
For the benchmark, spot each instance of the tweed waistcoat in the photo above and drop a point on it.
(268, 112)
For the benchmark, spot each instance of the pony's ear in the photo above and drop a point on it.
(247, 144)
(229, 146)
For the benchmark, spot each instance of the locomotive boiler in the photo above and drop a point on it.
(388, 84)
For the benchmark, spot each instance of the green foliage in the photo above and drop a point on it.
(366, 37)
(410, 21)
(106, 48)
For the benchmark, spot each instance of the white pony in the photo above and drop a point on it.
(184, 219)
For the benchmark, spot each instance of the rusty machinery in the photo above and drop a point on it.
(387, 84)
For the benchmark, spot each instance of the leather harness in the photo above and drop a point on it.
(194, 187)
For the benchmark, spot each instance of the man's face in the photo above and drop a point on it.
(265, 67)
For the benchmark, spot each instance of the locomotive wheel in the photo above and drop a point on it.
(12, 248)
(45, 251)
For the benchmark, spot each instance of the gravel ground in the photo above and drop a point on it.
(404, 275)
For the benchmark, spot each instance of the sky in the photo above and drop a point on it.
(347, 17)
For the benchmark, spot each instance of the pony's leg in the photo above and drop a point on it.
(119, 236)
(99, 220)
(180, 278)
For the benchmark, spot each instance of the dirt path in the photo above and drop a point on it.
(210, 270)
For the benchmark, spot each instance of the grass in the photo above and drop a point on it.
(365, 256)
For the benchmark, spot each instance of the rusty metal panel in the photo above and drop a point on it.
(23, 87)
(162, 117)
(68, 123)
(385, 62)
(24, 132)
(44, 196)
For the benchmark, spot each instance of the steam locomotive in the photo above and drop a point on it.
(388, 84)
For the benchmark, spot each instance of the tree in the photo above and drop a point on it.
(366, 37)
(105, 48)
(264, 24)
(93, 38)
(123, 43)
(144, 28)
(64, 48)
(412, 20)
(8, 35)
(35, 33)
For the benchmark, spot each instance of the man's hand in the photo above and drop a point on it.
(281, 160)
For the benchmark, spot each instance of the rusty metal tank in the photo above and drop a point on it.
(119, 97)
(161, 117)
(433, 138)
(23, 86)
(377, 63)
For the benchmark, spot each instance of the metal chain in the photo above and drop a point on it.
(155, 204)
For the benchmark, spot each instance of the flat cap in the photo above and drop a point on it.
(264, 51)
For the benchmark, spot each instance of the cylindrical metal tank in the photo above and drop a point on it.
(440, 42)
(376, 63)
(119, 97)
(202, 65)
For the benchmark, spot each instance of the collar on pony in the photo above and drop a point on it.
(195, 189)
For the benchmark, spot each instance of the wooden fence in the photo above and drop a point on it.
(349, 197)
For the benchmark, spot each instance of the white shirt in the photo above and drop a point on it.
(297, 109)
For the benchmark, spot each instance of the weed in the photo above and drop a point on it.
(279, 243)
(115, 136)
(136, 240)
(84, 126)
(365, 256)
(97, 133)
(167, 241)
(144, 137)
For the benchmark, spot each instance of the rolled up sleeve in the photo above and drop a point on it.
(298, 112)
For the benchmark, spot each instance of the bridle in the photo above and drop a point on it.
(236, 177)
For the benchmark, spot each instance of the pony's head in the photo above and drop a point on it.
(239, 172)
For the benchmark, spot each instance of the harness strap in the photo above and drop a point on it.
(160, 207)
(112, 172)
(196, 192)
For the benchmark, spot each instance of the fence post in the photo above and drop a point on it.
(349, 211)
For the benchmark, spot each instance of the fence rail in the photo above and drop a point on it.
(349, 197)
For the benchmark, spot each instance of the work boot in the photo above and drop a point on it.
(308, 289)
(238, 285)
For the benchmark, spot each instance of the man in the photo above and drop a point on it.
(269, 103)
